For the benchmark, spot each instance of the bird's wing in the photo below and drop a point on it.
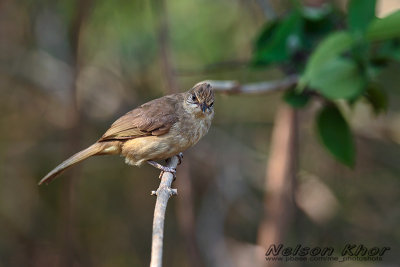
(152, 118)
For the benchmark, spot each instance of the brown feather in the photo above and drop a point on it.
(95, 149)
(156, 130)
(153, 118)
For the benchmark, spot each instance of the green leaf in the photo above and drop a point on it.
(385, 28)
(295, 99)
(285, 37)
(331, 47)
(266, 34)
(376, 97)
(361, 13)
(337, 78)
(388, 50)
(316, 30)
(335, 134)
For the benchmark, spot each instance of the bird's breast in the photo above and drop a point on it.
(192, 128)
(186, 132)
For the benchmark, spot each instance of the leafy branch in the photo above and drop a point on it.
(337, 57)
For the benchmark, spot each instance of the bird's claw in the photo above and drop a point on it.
(161, 167)
(180, 158)
(168, 169)
(171, 170)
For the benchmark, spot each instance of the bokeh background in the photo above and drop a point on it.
(68, 69)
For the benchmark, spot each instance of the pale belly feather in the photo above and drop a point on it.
(180, 137)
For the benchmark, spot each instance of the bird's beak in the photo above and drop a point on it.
(203, 107)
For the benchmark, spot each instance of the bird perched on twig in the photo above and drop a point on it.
(156, 130)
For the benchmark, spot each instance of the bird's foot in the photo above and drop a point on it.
(180, 157)
(162, 173)
(161, 167)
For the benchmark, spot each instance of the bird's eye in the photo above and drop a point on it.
(194, 98)
(212, 104)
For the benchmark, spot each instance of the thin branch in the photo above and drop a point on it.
(185, 219)
(234, 87)
(164, 192)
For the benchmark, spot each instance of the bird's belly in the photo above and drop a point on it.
(178, 139)
(139, 150)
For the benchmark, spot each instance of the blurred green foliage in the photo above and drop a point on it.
(335, 62)
(333, 130)
(112, 64)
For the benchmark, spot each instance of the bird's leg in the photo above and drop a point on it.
(180, 157)
(161, 167)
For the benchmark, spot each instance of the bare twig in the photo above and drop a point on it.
(233, 87)
(185, 218)
(163, 193)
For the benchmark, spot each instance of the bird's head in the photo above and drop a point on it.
(201, 98)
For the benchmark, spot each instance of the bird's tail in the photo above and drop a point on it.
(95, 149)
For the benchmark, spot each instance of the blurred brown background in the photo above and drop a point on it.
(69, 68)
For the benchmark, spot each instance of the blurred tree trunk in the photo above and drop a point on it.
(68, 256)
(280, 179)
(185, 215)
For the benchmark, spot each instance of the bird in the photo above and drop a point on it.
(156, 130)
